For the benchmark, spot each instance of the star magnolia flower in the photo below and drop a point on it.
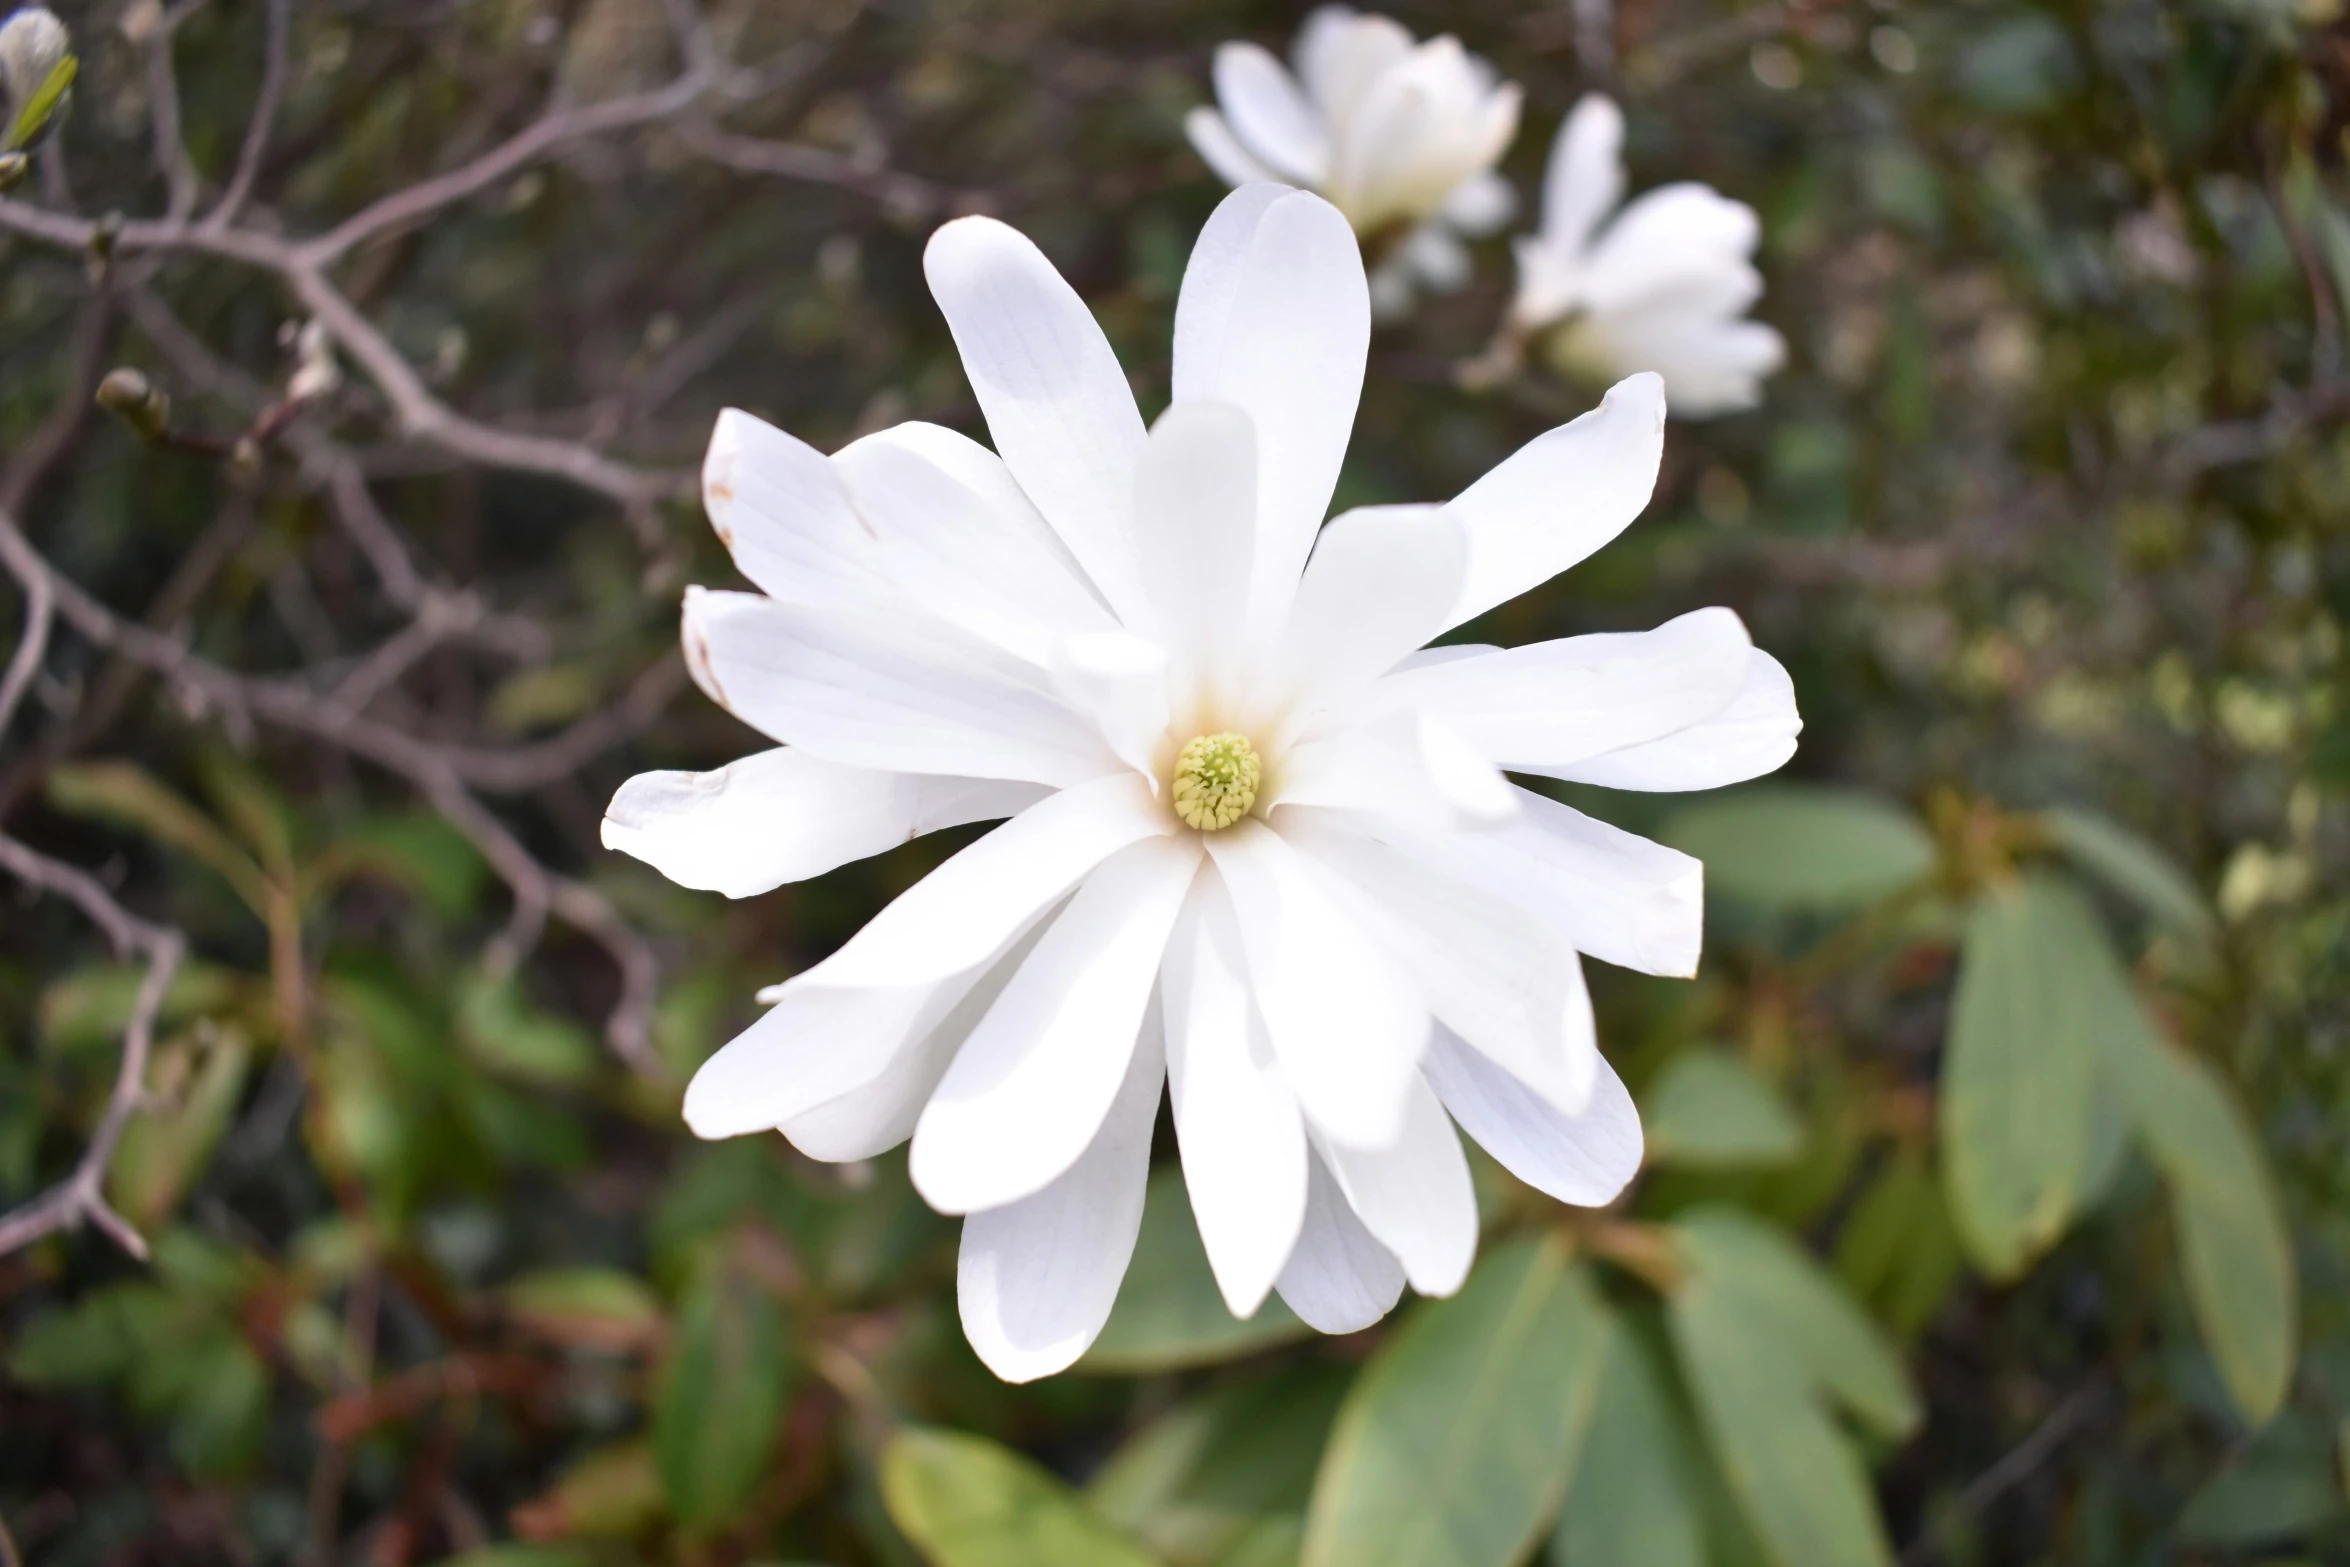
(1662, 288)
(1402, 137)
(1259, 849)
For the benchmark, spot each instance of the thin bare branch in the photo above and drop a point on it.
(904, 194)
(81, 1197)
(279, 27)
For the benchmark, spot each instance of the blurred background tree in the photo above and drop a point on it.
(1998, 1207)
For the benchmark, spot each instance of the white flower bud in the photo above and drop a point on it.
(33, 44)
(315, 371)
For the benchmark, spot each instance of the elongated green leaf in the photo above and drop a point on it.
(1224, 1468)
(1708, 1109)
(967, 1502)
(122, 794)
(1636, 1496)
(1458, 1441)
(2133, 867)
(165, 1149)
(2234, 1246)
(720, 1398)
(1787, 846)
(1169, 1313)
(2019, 1070)
(41, 105)
(1753, 1348)
(1898, 1250)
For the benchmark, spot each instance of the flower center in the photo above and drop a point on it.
(1216, 778)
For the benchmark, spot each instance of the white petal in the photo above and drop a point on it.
(1340, 52)
(975, 904)
(1585, 178)
(1195, 509)
(1348, 1028)
(1118, 680)
(1378, 586)
(846, 1021)
(1057, 405)
(1551, 704)
(1754, 735)
(1666, 236)
(1410, 766)
(869, 688)
(1414, 1195)
(1437, 259)
(1481, 205)
(1710, 365)
(1560, 496)
(957, 536)
(1036, 1279)
(1030, 1086)
(1275, 319)
(1509, 984)
(1236, 1121)
(1268, 111)
(784, 815)
(869, 1120)
(1338, 1279)
(1211, 136)
(779, 507)
(1611, 893)
(1585, 1159)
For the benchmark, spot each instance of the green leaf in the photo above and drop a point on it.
(1208, 1476)
(222, 1408)
(2235, 1248)
(1169, 1314)
(1759, 1353)
(2132, 866)
(420, 852)
(521, 1556)
(33, 118)
(1797, 847)
(1806, 1311)
(610, 1493)
(600, 1307)
(1898, 1249)
(719, 1401)
(124, 795)
(966, 1502)
(1708, 1109)
(504, 1030)
(2282, 1487)
(1457, 1442)
(1637, 1497)
(2019, 1069)
(87, 1010)
(165, 1148)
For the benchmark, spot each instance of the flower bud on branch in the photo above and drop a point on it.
(37, 65)
(138, 402)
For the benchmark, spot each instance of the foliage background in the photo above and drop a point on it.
(2031, 1037)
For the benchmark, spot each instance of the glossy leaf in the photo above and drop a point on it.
(2235, 1248)
(1457, 1443)
(165, 1148)
(2019, 1069)
(1169, 1313)
(1797, 847)
(1766, 1342)
(1637, 1494)
(1234, 1465)
(1708, 1108)
(2132, 866)
(720, 1398)
(965, 1501)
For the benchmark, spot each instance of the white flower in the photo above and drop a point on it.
(1260, 848)
(1401, 136)
(1663, 287)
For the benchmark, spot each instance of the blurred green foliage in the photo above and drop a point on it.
(1998, 1207)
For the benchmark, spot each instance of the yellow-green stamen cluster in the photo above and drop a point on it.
(1216, 778)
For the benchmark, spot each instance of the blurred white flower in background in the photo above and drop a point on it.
(1401, 136)
(1260, 850)
(1663, 285)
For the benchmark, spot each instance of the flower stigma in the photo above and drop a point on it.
(1216, 779)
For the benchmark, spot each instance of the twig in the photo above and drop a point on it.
(163, 115)
(273, 86)
(81, 1196)
(439, 772)
(2010, 1471)
(904, 194)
